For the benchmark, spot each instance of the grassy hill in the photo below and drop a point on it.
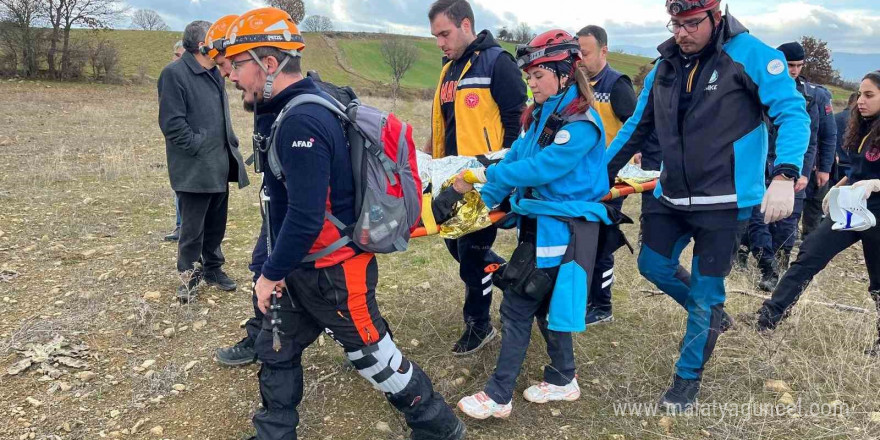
(345, 58)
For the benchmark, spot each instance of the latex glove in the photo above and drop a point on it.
(826, 202)
(822, 178)
(801, 184)
(778, 201)
(871, 186)
(474, 175)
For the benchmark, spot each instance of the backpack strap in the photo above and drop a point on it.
(275, 162)
(335, 246)
(272, 155)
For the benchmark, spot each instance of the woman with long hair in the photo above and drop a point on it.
(557, 176)
(862, 143)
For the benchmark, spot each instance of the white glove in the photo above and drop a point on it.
(778, 201)
(871, 186)
(826, 202)
(474, 175)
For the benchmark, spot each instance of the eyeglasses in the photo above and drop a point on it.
(237, 64)
(688, 27)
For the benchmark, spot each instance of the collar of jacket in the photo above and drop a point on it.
(595, 80)
(730, 27)
(277, 102)
(484, 40)
(561, 99)
(190, 60)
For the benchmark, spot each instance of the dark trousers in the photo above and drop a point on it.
(202, 228)
(603, 275)
(517, 314)
(816, 252)
(254, 324)
(474, 252)
(341, 301)
(666, 232)
(813, 213)
(766, 241)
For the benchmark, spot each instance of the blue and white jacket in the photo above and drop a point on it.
(567, 179)
(715, 157)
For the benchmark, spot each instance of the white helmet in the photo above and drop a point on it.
(848, 208)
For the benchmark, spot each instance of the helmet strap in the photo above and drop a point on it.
(270, 77)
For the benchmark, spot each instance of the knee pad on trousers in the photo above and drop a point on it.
(383, 365)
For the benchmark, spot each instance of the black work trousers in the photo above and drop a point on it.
(818, 249)
(340, 300)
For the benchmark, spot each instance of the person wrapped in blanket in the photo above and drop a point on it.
(555, 174)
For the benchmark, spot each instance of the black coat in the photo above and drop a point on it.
(201, 147)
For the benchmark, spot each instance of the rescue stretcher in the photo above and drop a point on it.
(620, 189)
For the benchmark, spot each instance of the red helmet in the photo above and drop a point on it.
(553, 45)
(684, 8)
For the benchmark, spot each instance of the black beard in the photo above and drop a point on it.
(250, 106)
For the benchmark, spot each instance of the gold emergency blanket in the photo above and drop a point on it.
(471, 215)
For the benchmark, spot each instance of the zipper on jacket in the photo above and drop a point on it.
(676, 88)
(695, 99)
(486, 134)
(690, 84)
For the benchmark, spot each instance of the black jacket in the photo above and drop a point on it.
(201, 148)
(715, 160)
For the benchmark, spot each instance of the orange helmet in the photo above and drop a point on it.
(264, 27)
(216, 36)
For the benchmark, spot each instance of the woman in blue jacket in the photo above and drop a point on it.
(555, 177)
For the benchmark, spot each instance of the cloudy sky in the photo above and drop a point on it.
(847, 25)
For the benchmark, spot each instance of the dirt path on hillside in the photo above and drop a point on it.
(342, 63)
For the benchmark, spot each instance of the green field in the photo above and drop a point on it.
(150, 51)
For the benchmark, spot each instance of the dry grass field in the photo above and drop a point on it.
(85, 201)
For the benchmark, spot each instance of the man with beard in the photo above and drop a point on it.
(319, 287)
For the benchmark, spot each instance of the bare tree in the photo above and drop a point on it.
(817, 63)
(20, 32)
(296, 8)
(64, 14)
(522, 34)
(316, 23)
(399, 54)
(148, 20)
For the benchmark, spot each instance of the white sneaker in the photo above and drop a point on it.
(481, 406)
(545, 392)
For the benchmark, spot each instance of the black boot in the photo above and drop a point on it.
(173, 235)
(474, 338)
(425, 411)
(767, 320)
(681, 396)
(219, 278)
(768, 282)
(769, 275)
(242, 353)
